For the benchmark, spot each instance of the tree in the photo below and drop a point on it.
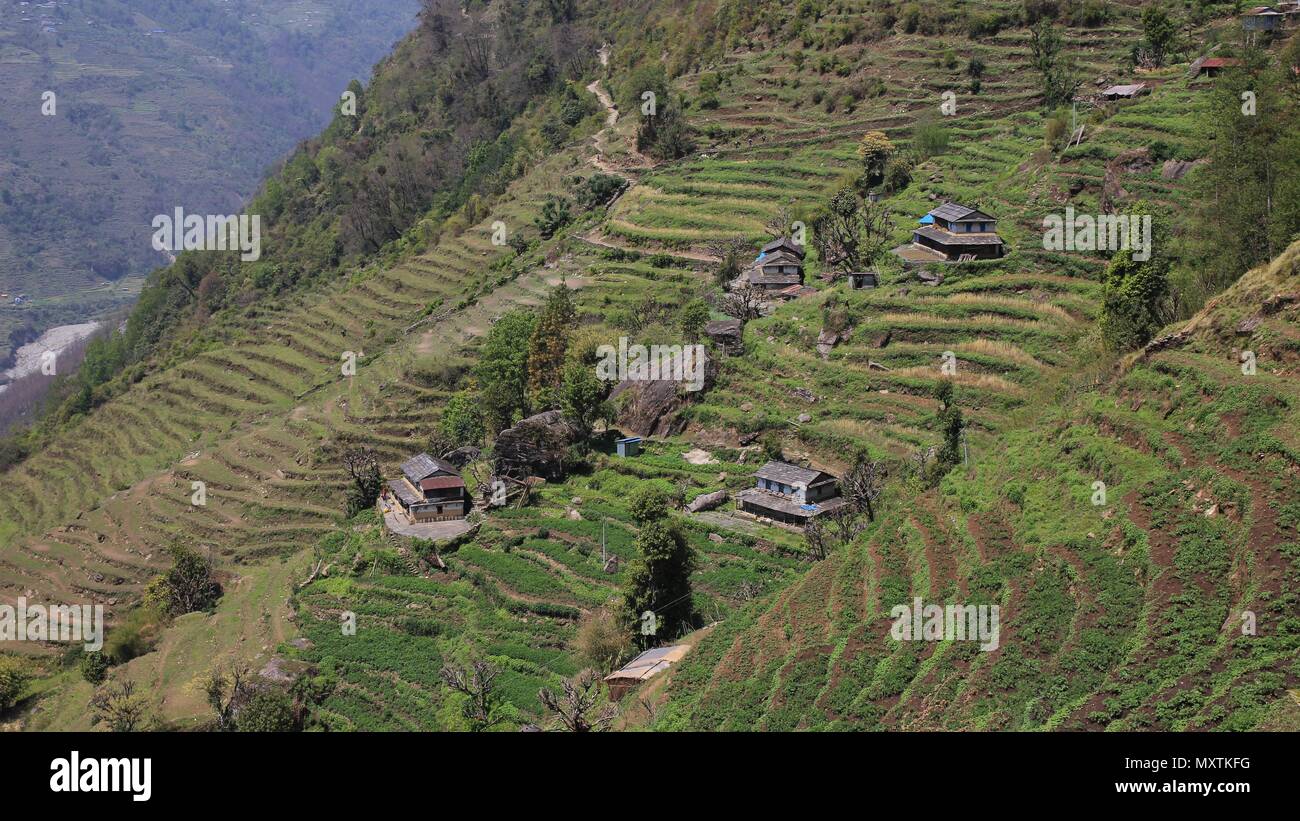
(554, 216)
(859, 490)
(361, 465)
(269, 710)
(224, 694)
(657, 593)
(874, 150)
(1057, 73)
(1159, 32)
(648, 504)
(502, 370)
(950, 427)
(850, 233)
(732, 256)
(482, 707)
(863, 484)
(189, 586)
(14, 676)
(693, 318)
(1134, 300)
(575, 709)
(744, 303)
(119, 706)
(582, 397)
(461, 422)
(548, 346)
(600, 641)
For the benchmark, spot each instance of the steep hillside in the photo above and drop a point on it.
(1115, 616)
(157, 105)
(1123, 615)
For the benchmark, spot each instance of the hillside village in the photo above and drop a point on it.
(424, 508)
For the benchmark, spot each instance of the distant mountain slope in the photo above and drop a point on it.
(159, 104)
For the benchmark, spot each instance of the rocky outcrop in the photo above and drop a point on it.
(649, 407)
(537, 446)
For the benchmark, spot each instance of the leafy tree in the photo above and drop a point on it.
(874, 150)
(462, 421)
(582, 397)
(1159, 31)
(554, 216)
(850, 233)
(950, 428)
(269, 710)
(502, 370)
(1134, 297)
(648, 504)
(14, 676)
(1057, 73)
(548, 345)
(598, 190)
(188, 587)
(658, 583)
(94, 667)
(693, 318)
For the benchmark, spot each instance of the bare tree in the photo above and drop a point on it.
(361, 465)
(780, 223)
(575, 708)
(744, 303)
(863, 485)
(119, 706)
(841, 525)
(482, 708)
(225, 703)
(819, 541)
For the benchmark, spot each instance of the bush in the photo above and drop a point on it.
(94, 667)
(268, 711)
(14, 675)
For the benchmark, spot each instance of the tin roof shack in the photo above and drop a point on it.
(628, 446)
(790, 494)
(1128, 92)
(429, 490)
(953, 233)
(642, 668)
(1211, 66)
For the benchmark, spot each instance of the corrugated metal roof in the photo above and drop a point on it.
(441, 482)
(649, 663)
(956, 212)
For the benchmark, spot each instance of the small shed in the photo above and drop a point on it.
(1262, 18)
(860, 280)
(1125, 92)
(642, 668)
(628, 446)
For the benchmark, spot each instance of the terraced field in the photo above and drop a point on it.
(1110, 621)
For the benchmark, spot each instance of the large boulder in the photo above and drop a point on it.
(726, 334)
(537, 446)
(708, 501)
(649, 407)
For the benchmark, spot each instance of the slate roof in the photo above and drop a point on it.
(956, 212)
(949, 238)
(423, 466)
(781, 504)
(786, 243)
(758, 277)
(403, 492)
(788, 474)
(781, 257)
